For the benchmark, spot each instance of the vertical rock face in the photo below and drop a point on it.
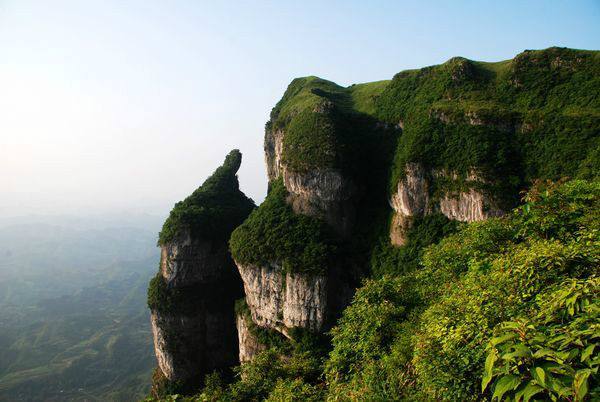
(413, 199)
(192, 298)
(197, 336)
(468, 206)
(322, 193)
(325, 194)
(281, 300)
(187, 261)
(249, 345)
(273, 152)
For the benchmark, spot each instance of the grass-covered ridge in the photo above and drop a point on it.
(214, 209)
(324, 123)
(534, 116)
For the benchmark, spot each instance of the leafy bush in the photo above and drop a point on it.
(550, 353)
(372, 340)
(273, 233)
(450, 347)
(295, 391)
(394, 260)
(423, 334)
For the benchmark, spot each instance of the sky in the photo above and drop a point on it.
(127, 106)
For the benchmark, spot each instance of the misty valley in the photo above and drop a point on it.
(73, 318)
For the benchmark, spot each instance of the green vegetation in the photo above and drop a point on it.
(186, 301)
(426, 230)
(549, 353)
(214, 209)
(513, 121)
(501, 309)
(273, 233)
(326, 126)
(506, 308)
(527, 118)
(425, 333)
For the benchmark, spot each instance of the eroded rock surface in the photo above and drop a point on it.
(413, 198)
(273, 153)
(249, 345)
(187, 261)
(192, 297)
(325, 194)
(281, 300)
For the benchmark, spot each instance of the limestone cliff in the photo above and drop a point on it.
(249, 344)
(281, 300)
(452, 142)
(323, 192)
(192, 297)
(283, 294)
(413, 198)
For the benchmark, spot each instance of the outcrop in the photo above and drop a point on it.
(192, 297)
(249, 344)
(283, 300)
(414, 198)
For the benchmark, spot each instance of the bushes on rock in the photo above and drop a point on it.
(274, 234)
(214, 209)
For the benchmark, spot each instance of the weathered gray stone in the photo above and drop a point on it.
(273, 152)
(281, 300)
(249, 346)
(186, 261)
(325, 194)
(412, 199)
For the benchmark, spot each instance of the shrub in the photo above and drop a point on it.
(450, 347)
(549, 353)
(273, 233)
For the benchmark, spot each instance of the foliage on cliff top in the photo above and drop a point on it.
(534, 116)
(214, 209)
(426, 333)
(274, 234)
(324, 123)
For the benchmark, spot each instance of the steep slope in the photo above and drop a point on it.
(192, 297)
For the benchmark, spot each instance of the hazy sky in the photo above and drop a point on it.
(130, 105)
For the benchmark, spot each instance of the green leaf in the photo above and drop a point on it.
(519, 351)
(505, 384)
(539, 375)
(530, 390)
(489, 365)
(587, 352)
(502, 339)
(580, 384)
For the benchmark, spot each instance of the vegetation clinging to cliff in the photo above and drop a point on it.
(515, 121)
(534, 116)
(426, 333)
(214, 209)
(273, 233)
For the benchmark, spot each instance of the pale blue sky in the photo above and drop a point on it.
(129, 105)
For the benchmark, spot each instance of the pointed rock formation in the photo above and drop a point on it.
(192, 297)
